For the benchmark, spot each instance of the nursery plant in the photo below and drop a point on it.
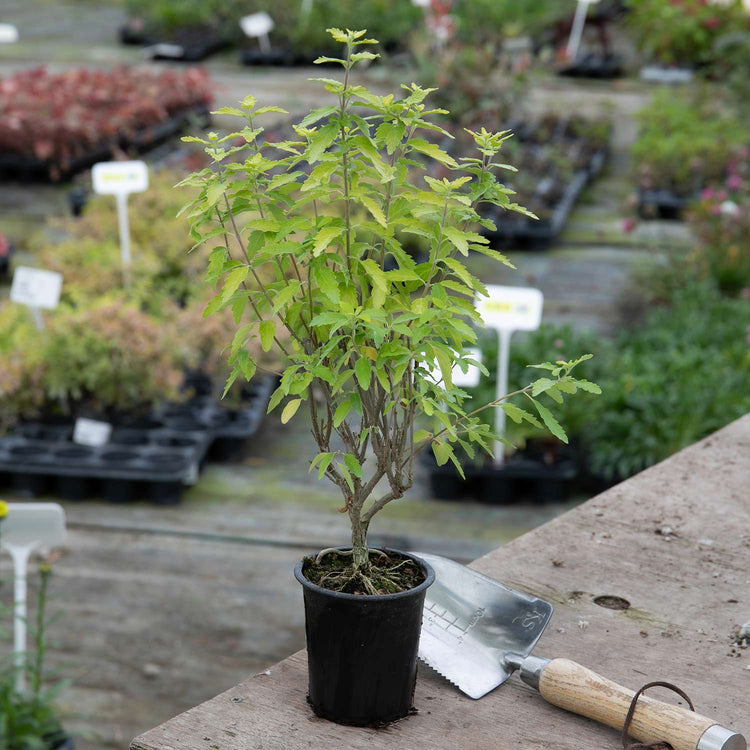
(659, 392)
(366, 325)
(685, 142)
(683, 32)
(53, 119)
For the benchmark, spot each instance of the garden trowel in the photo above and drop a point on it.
(476, 632)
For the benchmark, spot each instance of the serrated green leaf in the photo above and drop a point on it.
(519, 415)
(363, 371)
(341, 412)
(457, 239)
(327, 283)
(290, 410)
(540, 386)
(442, 450)
(267, 332)
(324, 238)
(374, 209)
(550, 422)
(588, 386)
(234, 279)
(433, 151)
(321, 141)
(344, 469)
(353, 465)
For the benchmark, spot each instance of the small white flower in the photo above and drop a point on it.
(729, 208)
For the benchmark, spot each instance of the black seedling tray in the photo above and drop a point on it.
(151, 457)
(521, 476)
(594, 65)
(121, 470)
(662, 204)
(516, 228)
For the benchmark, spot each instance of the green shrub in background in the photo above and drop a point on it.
(683, 32)
(169, 16)
(482, 21)
(21, 389)
(106, 357)
(391, 20)
(685, 141)
(680, 376)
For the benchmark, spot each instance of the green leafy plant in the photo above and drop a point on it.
(21, 389)
(721, 221)
(683, 31)
(364, 338)
(109, 356)
(680, 375)
(556, 342)
(685, 142)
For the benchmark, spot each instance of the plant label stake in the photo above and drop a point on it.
(576, 30)
(305, 10)
(257, 25)
(37, 289)
(27, 527)
(508, 309)
(8, 33)
(120, 178)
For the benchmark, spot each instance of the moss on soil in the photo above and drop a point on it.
(387, 574)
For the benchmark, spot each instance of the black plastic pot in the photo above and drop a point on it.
(63, 743)
(362, 650)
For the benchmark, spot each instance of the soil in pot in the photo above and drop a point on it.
(362, 648)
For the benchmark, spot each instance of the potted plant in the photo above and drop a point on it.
(363, 341)
(28, 719)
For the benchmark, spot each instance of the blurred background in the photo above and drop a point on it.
(185, 519)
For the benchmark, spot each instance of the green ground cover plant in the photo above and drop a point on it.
(686, 141)
(362, 337)
(680, 375)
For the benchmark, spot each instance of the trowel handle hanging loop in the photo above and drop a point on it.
(575, 688)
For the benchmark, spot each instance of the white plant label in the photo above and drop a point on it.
(27, 527)
(508, 309)
(36, 288)
(257, 24)
(91, 432)
(8, 33)
(119, 177)
(511, 308)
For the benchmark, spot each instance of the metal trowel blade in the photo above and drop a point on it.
(471, 622)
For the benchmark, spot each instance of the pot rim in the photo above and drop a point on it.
(428, 581)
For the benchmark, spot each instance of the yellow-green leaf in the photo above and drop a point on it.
(267, 331)
(290, 410)
(324, 238)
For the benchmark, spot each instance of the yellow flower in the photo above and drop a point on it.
(45, 568)
(3, 509)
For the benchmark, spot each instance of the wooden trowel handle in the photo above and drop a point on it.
(569, 685)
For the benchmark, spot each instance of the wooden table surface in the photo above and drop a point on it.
(674, 541)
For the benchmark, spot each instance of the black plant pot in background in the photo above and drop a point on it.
(362, 650)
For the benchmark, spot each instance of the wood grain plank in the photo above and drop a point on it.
(673, 541)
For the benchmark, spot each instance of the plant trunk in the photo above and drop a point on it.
(360, 556)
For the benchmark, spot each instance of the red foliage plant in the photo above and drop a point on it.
(55, 118)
